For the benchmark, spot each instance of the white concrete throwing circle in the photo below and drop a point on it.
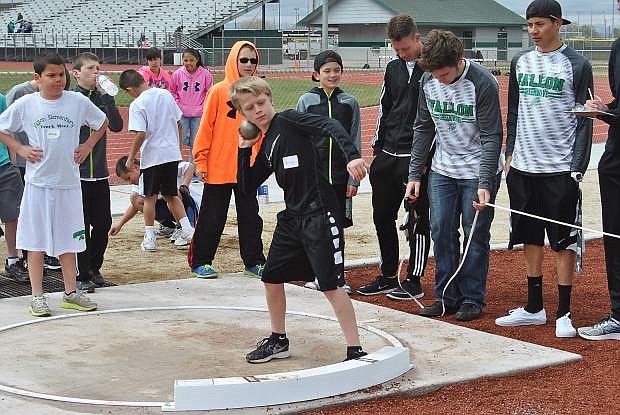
(171, 326)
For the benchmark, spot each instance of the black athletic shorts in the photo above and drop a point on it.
(305, 247)
(161, 178)
(554, 197)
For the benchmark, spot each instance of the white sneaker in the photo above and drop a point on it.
(184, 238)
(313, 285)
(148, 244)
(564, 327)
(520, 317)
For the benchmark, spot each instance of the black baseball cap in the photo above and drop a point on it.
(545, 8)
(325, 57)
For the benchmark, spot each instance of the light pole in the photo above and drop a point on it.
(296, 16)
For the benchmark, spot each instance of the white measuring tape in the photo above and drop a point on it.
(571, 225)
(473, 228)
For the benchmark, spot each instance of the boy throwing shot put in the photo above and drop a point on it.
(307, 241)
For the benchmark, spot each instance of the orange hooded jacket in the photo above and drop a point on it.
(217, 139)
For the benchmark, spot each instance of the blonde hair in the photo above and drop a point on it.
(248, 85)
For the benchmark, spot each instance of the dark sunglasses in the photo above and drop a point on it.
(253, 61)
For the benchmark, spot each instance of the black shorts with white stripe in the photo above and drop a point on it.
(304, 248)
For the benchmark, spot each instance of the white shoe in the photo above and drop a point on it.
(148, 244)
(184, 238)
(520, 317)
(313, 285)
(564, 327)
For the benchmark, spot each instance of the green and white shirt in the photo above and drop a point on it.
(541, 136)
(465, 119)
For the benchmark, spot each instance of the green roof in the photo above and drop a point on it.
(443, 12)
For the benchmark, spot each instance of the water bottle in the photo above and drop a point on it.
(107, 85)
(263, 194)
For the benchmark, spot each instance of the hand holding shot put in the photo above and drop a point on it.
(249, 134)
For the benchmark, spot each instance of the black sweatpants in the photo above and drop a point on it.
(388, 178)
(609, 183)
(97, 224)
(211, 221)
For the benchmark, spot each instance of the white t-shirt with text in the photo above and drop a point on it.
(53, 126)
(155, 113)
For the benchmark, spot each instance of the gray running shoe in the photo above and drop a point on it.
(86, 286)
(78, 301)
(38, 306)
(267, 349)
(606, 329)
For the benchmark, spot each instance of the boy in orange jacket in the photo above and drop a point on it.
(215, 157)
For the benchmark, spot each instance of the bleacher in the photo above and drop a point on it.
(125, 16)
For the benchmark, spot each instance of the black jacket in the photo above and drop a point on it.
(344, 108)
(96, 164)
(398, 108)
(289, 149)
(614, 107)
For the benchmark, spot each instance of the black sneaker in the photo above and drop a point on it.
(381, 285)
(267, 349)
(51, 262)
(356, 355)
(16, 271)
(86, 286)
(468, 312)
(411, 288)
(97, 279)
(435, 310)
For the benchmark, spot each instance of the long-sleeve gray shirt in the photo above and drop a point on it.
(465, 120)
(542, 137)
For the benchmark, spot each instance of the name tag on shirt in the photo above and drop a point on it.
(53, 134)
(290, 162)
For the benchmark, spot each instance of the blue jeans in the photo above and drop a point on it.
(190, 128)
(451, 204)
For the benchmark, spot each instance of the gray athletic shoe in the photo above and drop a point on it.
(78, 301)
(606, 329)
(38, 306)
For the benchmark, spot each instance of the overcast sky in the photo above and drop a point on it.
(572, 9)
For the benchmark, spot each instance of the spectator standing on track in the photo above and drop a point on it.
(51, 218)
(547, 154)
(189, 86)
(609, 183)
(459, 109)
(332, 102)
(215, 155)
(154, 75)
(155, 119)
(94, 175)
(390, 169)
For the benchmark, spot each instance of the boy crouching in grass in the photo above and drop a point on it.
(51, 219)
(307, 241)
